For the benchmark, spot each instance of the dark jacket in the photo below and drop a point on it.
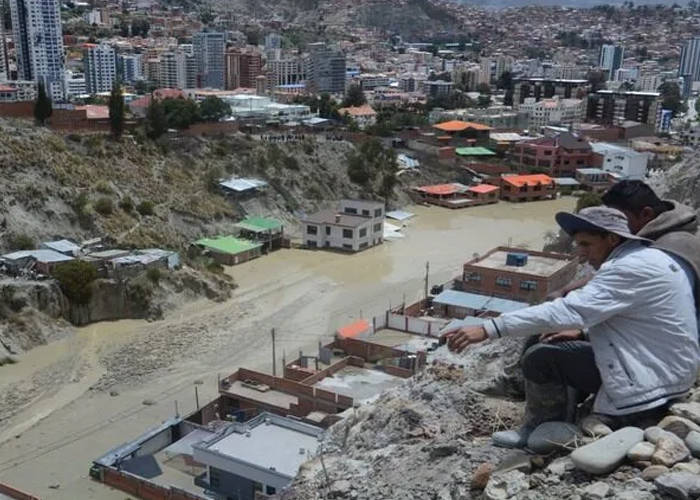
(676, 232)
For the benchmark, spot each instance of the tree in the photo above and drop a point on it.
(75, 279)
(596, 79)
(671, 97)
(588, 200)
(505, 81)
(508, 98)
(354, 96)
(374, 167)
(180, 113)
(116, 110)
(213, 109)
(156, 124)
(42, 107)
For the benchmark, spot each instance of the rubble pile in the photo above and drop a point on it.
(430, 439)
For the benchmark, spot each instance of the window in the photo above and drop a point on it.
(504, 282)
(547, 153)
(347, 246)
(311, 229)
(474, 277)
(365, 213)
(328, 230)
(378, 212)
(269, 490)
(528, 285)
(350, 210)
(377, 227)
(364, 245)
(347, 233)
(363, 232)
(257, 486)
(311, 243)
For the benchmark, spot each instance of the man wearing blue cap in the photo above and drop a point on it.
(639, 312)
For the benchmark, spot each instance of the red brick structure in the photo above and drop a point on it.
(518, 274)
(525, 187)
(558, 156)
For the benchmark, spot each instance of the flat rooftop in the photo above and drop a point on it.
(270, 445)
(271, 397)
(408, 342)
(536, 265)
(359, 383)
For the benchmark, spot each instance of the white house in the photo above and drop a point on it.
(355, 226)
(625, 162)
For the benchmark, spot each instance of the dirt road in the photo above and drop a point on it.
(84, 395)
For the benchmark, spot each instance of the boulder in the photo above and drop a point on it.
(681, 485)
(517, 460)
(651, 473)
(670, 449)
(592, 426)
(507, 485)
(634, 495)
(652, 434)
(691, 411)
(641, 452)
(560, 466)
(692, 467)
(678, 425)
(552, 436)
(692, 441)
(481, 476)
(606, 454)
(596, 491)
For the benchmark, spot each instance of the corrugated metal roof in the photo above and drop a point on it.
(259, 224)
(478, 302)
(399, 215)
(566, 181)
(228, 244)
(42, 255)
(63, 246)
(242, 184)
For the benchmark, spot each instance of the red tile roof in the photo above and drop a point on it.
(528, 180)
(353, 329)
(483, 189)
(440, 189)
(459, 126)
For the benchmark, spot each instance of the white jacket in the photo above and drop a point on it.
(640, 315)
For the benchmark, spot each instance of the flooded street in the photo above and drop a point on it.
(304, 295)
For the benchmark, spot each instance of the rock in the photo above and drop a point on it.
(592, 426)
(54, 486)
(678, 425)
(642, 465)
(641, 452)
(113, 393)
(670, 449)
(607, 453)
(682, 485)
(507, 485)
(148, 402)
(537, 461)
(517, 460)
(691, 411)
(560, 466)
(552, 436)
(340, 488)
(651, 473)
(637, 483)
(652, 434)
(443, 450)
(481, 477)
(634, 495)
(596, 491)
(691, 467)
(692, 441)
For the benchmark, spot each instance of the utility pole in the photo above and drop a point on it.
(427, 275)
(196, 397)
(274, 367)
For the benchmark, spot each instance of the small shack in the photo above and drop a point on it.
(229, 250)
(42, 261)
(269, 232)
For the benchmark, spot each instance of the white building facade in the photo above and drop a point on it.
(100, 65)
(38, 38)
(355, 226)
(625, 162)
(553, 111)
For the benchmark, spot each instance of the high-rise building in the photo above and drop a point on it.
(100, 66)
(36, 29)
(173, 70)
(75, 84)
(241, 69)
(208, 47)
(129, 67)
(285, 72)
(326, 71)
(689, 67)
(611, 59)
(609, 107)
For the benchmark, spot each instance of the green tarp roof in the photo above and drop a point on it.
(259, 224)
(477, 151)
(228, 244)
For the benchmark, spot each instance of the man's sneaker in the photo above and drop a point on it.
(513, 439)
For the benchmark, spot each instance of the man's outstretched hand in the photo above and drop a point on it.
(458, 340)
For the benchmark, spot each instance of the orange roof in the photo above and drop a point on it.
(439, 189)
(528, 180)
(459, 126)
(353, 329)
(364, 110)
(95, 111)
(483, 189)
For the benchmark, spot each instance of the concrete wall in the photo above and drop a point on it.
(231, 485)
(14, 493)
(141, 488)
(367, 234)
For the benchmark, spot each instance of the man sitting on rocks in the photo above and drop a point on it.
(642, 350)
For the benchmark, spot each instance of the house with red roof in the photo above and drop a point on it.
(458, 132)
(531, 187)
(455, 195)
(138, 107)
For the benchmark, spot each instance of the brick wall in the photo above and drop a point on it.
(321, 374)
(398, 372)
(141, 488)
(11, 492)
(220, 128)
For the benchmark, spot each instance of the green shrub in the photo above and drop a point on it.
(291, 163)
(103, 187)
(154, 274)
(75, 279)
(74, 138)
(146, 208)
(20, 241)
(104, 206)
(80, 202)
(127, 204)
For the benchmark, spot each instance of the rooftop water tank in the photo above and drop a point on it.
(516, 259)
